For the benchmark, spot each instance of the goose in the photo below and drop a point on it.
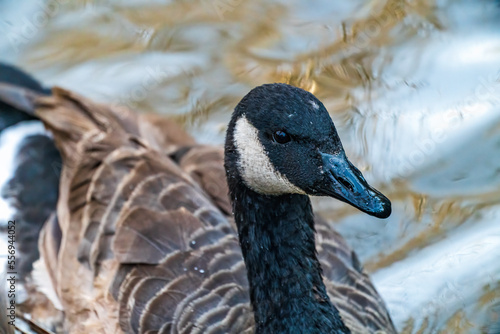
(145, 238)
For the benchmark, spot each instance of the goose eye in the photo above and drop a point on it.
(281, 137)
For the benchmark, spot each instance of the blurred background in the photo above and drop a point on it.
(412, 86)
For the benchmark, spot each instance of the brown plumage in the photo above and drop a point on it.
(143, 239)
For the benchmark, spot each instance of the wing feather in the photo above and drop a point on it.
(147, 241)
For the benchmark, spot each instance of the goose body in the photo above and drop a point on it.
(144, 240)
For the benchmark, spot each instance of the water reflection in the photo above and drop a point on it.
(412, 86)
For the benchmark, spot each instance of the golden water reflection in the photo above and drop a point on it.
(388, 71)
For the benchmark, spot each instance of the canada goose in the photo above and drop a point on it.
(143, 240)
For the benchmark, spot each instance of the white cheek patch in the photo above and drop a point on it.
(254, 165)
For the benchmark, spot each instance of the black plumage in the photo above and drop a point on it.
(33, 188)
(277, 232)
(12, 75)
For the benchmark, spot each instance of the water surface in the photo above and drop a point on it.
(413, 88)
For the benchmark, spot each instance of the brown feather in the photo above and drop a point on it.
(205, 164)
(19, 97)
(147, 243)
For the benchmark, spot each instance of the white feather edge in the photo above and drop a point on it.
(43, 283)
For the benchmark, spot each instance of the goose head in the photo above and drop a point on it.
(281, 140)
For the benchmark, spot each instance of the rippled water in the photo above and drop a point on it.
(413, 87)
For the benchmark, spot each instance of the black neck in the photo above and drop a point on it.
(277, 240)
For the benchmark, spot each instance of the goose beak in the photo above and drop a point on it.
(346, 183)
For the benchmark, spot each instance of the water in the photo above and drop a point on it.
(413, 88)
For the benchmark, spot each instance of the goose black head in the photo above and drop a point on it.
(281, 140)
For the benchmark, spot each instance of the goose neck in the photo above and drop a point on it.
(286, 287)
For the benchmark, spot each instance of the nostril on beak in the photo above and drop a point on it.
(346, 183)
